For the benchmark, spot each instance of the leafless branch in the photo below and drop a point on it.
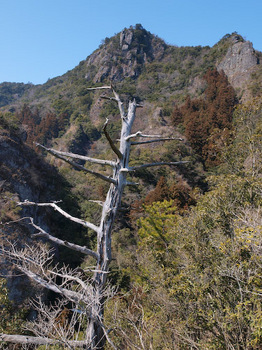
(134, 168)
(156, 140)
(52, 326)
(139, 134)
(109, 98)
(32, 261)
(130, 183)
(35, 262)
(76, 247)
(99, 271)
(61, 211)
(77, 156)
(80, 167)
(160, 137)
(18, 220)
(97, 202)
(120, 104)
(111, 143)
(107, 337)
(117, 98)
(57, 322)
(70, 277)
(100, 88)
(25, 339)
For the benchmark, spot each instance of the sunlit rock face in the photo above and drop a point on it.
(124, 56)
(239, 62)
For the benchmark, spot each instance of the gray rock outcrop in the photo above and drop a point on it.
(239, 63)
(124, 57)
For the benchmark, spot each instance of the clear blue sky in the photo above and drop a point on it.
(41, 39)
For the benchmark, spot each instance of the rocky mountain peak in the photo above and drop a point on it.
(124, 55)
(126, 38)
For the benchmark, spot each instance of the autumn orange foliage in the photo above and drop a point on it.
(208, 121)
(40, 128)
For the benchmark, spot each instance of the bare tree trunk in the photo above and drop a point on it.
(110, 209)
(91, 294)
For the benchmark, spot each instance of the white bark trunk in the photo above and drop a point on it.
(96, 334)
(110, 209)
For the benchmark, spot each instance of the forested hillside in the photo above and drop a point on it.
(187, 244)
(195, 272)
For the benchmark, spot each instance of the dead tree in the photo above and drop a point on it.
(88, 296)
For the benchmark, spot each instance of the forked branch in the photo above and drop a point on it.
(33, 264)
(76, 247)
(77, 156)
(78, 166)
(62, 212)
(116, 99)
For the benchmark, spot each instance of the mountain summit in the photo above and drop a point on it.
(145, 65)
(124, 55)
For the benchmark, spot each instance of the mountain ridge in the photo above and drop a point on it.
(134, 52)
(141, 66)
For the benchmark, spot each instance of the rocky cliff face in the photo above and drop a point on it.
(125, 54)
(238, 64)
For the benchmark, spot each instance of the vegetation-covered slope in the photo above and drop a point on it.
(187, 248)
(195, 275)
